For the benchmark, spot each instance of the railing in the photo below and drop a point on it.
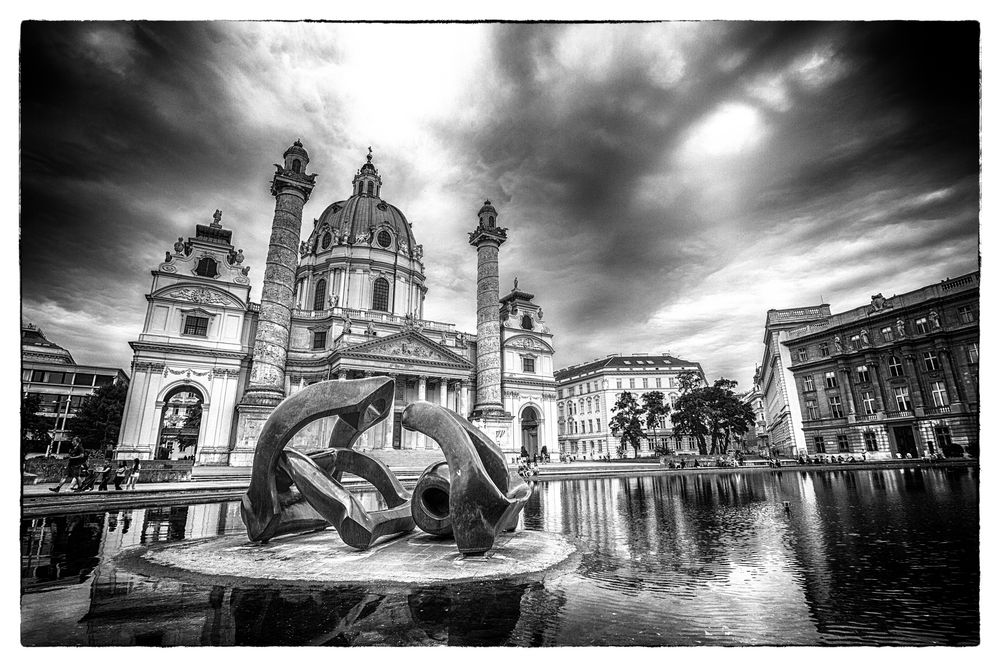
(938, 410)
(864, 418)
(898, 414)
(372, 316)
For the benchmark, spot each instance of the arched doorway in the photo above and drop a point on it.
(180, 424)
(529, 431)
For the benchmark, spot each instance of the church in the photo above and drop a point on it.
(346, 302)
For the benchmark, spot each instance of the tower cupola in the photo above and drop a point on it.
(367, 181)
(296, 158)
(488, 215)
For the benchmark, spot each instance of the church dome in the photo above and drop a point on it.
(361, 215)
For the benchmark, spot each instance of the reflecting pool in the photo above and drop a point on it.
(869, 557)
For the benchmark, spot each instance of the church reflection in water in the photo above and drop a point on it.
(864, 557)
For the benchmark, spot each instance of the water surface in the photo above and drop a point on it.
(870, 557)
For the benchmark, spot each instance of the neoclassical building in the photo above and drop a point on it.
(346, 302)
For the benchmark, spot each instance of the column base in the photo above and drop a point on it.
(497, 427)
(250, 420)
(263, 396)
(213, 457)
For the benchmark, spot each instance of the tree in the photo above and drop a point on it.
(654, 410)
(100, 417)
(627, 423)
(34, 427)
(714, 413)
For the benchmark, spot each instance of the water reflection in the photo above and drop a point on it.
(859, 557)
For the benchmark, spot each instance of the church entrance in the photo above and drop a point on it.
(529, 431)
(180, 424)
(905, 442)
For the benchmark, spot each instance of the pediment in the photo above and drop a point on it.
(201, 294)
(525, 342)
(408, 345)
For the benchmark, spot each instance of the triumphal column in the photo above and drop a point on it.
(488, 414)
(290, 187)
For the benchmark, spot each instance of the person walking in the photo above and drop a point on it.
(105, 471)
(120, 474)
(77, 458)
(133, 476)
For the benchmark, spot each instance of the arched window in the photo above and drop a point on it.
(319, 297)
(526, 321)
(296, 166)
(327, 240)
(380, 294)
(371, 188)
(492, 221)
(179, 424)
(384, 238)
(207, 267)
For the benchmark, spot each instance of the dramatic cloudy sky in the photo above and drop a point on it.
(664, 184)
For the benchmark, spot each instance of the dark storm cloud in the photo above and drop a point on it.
(864, 108)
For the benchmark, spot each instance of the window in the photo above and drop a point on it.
(921, 325)
(618, 383)
(812, 410)
(966, 315)
(527, 365)
(384, 238)
(580, 406)
(588, 387)
(590, 406)
(590, 426)
(319, 340)
(819, 444)
(37, 376)
(326, 240)
(895, 367)
(824, 349)
(931, 362)
(886, 334)
(871, 445)
(863, 376)
(52, 377)
(296, 166)
(856, 342)
(207, 268)
(371, 188)
(836, 409)
(902, 398)
(808, 384)
(195, 326)
(319, 296)
(939, 394)
(943, 436)
(598, 425)
(801, 354)
(83, 380)
(843, 444)
(972, 353)
(492, 221)
(102, 380)
(631, 383)
(831, 379)
(868, 402)
(657, 383)
(645, 383)
(526, 321)
(380, 294)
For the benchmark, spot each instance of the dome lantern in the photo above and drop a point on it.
(367, 182)
(296, 158)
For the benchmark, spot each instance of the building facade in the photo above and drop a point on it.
(587, 393)
(61, 384)
(782, 415)
(347, 302)
(897, 377)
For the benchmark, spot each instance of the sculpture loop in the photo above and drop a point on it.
(483, 496)
(271, 508)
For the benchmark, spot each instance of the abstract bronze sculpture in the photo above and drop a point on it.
(472, 495)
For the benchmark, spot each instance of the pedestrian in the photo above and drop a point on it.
(77, 459)
(133, 476)
(105, 471)
(120, 474)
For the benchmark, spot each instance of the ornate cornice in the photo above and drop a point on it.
(140, 346)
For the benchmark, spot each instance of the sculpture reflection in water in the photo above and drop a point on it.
(471, 495)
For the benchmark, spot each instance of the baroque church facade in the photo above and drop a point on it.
(346, 302)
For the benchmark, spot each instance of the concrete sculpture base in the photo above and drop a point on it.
(322, 557)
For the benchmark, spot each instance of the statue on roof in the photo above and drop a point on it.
(369, 153)
(515, 282)
(179, 246)
(217, 218)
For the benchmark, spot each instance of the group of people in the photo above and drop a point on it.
(82, 477)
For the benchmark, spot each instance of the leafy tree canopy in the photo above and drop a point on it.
(100, 417)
